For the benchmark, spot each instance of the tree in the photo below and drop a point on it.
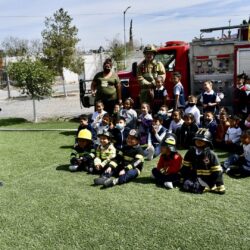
(59, 41)
(117, 52)
(33, 77)
(14, 46)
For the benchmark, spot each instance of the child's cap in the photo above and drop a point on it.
(84, 134)
(134, 133)
(170, 142)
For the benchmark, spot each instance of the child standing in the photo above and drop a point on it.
(239, 165)
(160, 95)
(129, 113)
(178, 92)
(209, 98)
(187, 131)
(192, 108)
(167, 171)
(83, 153)
(201, 170)
(130, 161)
(105, 153)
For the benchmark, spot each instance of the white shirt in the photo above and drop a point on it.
(196, 112)
(97, 118)
(233, 134)
(173, 125)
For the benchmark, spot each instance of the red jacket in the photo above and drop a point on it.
(169, 164)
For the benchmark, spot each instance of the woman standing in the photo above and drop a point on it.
(106, 87)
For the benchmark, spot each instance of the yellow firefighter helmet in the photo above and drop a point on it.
(84, 134)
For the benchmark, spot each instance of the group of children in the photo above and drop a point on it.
(114, 146)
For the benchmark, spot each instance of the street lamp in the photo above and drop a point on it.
(124, 26)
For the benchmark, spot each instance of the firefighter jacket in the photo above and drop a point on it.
(105, 155)
(130, 158)
(148, 72)
(80, 153)
(204, 165)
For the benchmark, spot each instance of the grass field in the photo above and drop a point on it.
(44, 206)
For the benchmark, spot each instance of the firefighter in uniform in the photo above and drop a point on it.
(148, 70)
(82, 156)
(129, 160)
(201, 170)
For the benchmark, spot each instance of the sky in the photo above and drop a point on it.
(100, 21)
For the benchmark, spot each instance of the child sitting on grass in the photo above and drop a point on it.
(201, 170)
(129, 160)
(129, 113)
(105, 153)
(167, 171)
(156, 134)
(210, 123)
(83, 153)
(187, 131)
(239, 165)
(232, 136)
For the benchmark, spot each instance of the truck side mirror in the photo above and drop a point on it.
(134, 69)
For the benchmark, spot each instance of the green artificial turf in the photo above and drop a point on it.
(44, 206)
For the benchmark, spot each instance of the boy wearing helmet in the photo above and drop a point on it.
(167, 171)
(201, 170)
(129, 160)
(148, 71)
(82, 155)
(105, 153)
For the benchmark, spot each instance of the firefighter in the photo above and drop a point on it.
(130, 161)
(82, 156)
(201, 170)
(148, 71)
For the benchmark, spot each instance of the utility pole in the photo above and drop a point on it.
(124, 27)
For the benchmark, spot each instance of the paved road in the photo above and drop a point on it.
(56, 107)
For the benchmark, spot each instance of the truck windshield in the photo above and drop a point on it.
(167, 58)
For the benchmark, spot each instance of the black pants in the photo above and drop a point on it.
(161, 178)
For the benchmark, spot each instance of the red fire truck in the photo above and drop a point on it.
(217, 59)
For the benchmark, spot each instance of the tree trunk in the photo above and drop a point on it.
(34, 109)
(64, 87)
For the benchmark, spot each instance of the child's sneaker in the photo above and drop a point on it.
(100, 181)
(73, 168)
(110, 182)
(150, 152)
(168, 185)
